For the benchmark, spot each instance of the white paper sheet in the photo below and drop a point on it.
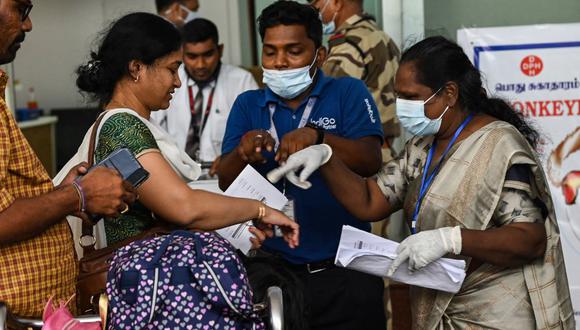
(250, 184)
(372, 254)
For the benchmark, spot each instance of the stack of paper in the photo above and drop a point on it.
(372, 254)
(250, 184)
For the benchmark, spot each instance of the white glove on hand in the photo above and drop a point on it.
(427, 246)
(310, 159)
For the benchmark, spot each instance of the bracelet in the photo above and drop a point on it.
(261, 212)
(81, 193)
(319, 132)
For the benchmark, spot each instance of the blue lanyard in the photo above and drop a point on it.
(426, 181)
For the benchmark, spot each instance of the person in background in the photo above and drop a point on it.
(358, 48)
(197, 115)
(178, 12)
(133, 73)
(302, 107)
(471, 187)
(37, 258)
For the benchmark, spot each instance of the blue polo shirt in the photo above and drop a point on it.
(345, 108)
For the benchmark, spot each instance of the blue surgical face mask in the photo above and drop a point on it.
(412, 116)
(288, 84)
(330, 27)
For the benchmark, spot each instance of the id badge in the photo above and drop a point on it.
(288, 210)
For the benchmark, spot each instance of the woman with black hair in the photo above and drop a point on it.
(471, 187)
(133, 74)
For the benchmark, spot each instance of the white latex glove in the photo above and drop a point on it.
(309, 159)
(427, 246)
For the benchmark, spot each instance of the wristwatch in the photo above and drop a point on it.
(319, 132)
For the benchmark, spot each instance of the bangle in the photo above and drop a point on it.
(81, 193)
(261, 212)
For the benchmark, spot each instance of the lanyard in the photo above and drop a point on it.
(205, 115)
(426, 181)
(303, 120)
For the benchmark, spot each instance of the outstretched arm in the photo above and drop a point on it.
(360, 196)
(166, 195)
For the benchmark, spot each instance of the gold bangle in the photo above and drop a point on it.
(261, 212)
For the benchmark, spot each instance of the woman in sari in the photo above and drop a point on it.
(133, 73)
(471, 187)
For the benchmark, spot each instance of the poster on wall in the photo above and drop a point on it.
(536, 68)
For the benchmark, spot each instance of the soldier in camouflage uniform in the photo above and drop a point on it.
(359, 49)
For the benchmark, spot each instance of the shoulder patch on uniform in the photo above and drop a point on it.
(336, 40)
(337, 36)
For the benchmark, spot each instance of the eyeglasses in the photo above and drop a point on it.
(25, 11)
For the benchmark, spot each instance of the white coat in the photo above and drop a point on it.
(231, 82)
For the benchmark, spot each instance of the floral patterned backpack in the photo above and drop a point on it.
(184, 280)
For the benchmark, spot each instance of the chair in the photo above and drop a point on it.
(272, 307)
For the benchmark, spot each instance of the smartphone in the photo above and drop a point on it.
(127, 165)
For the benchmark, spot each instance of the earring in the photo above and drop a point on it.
(136, 79)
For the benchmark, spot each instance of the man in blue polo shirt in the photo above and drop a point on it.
(301, 107)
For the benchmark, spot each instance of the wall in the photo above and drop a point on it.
(446, 16)
(64, 30)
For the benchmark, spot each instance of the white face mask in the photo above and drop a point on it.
(330, 27)
(191, 15)
(412, 116)
(288, 84)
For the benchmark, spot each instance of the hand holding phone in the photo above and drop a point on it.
(124, 162)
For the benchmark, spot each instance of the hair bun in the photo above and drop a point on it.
(89, 75)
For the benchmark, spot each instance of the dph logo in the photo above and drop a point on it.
(531, 65)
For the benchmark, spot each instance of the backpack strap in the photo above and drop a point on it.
(87, 229)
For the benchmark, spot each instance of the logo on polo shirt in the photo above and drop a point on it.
(325, 122)
(370, 111)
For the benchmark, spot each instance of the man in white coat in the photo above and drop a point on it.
(197, 115)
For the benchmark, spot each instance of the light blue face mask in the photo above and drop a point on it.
(289, 83)
(413, 119)
(191, 15)
(330, 27)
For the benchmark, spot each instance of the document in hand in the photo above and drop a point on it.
(372, 254)
(250, 184)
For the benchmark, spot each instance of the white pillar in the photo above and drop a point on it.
(393, 19)
(413, 22)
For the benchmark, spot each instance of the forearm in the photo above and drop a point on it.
(361, 197)
(363, 156)
(511, 245)
(28, 217)
(231, 164)
(213, 211)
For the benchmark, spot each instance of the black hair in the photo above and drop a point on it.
(439, 60)
(138, 36)
(292, 13)
(164, 4)
(200, 30)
